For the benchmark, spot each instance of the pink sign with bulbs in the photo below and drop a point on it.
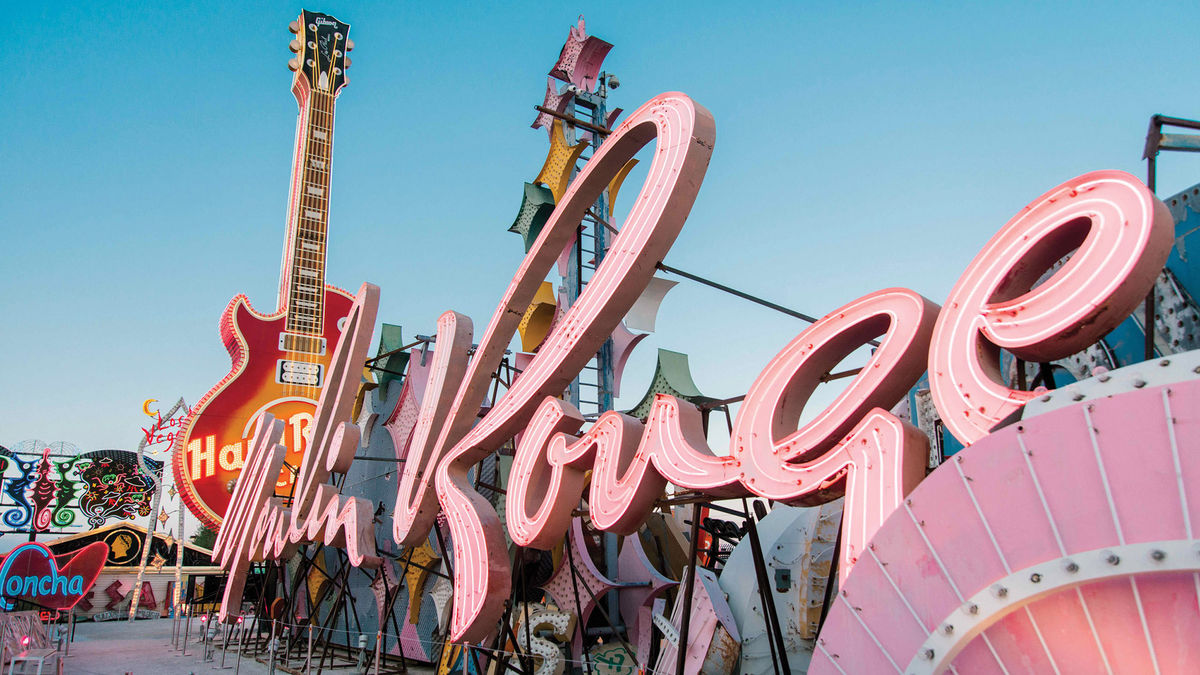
(1120, 234)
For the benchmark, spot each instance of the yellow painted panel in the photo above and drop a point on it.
(560, 161)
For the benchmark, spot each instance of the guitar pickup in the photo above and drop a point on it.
(299, 372)
(303, 344)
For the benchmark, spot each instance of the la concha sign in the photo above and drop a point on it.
(1120, 234)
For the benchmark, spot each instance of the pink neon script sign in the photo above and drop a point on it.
(1123, 234)
(853, 447)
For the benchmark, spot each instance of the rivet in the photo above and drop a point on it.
(1071, 566)
(999, 591)
(1164, 363)
(948, 629)
(928, 654)
(1035, 577)
(1158, 555)
(1046, 398)
(973, 609)
(1077, 397)
(1138, 383)
(1112, 558)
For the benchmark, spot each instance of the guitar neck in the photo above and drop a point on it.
(303, 284)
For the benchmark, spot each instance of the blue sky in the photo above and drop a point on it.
(147, 151)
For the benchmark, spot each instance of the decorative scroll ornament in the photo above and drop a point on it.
(672, 377)
(555, 100)
(538, 319)
(390, 339)
(624, 341)
(584, 578)
(581, 58)
(421, 560)
(537, 203)
(560, 161)
(644, 312)
(637, 601)
(403, 419)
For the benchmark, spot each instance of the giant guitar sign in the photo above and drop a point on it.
(280, 360)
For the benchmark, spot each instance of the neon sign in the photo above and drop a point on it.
(853, 447)
(30, 572)
(154, 435)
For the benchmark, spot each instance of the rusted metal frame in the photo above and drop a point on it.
(474, 654)
(260, 605)
(1045, 375)
(526, 659)
(493, 488)
(327, 626)
(421, 339)
(384, 370)
(305, 567)
(522, 658)
(350, 596)
(612, 627)
(597, 218)
(685, 619)
(573, 120)
(745, 296)
(1022, 378)
(579, 624)
(378, 655)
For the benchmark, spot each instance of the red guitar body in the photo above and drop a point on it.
(222, 424)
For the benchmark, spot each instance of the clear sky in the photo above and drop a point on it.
(146, 153)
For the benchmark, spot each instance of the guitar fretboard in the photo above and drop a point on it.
(306, 282)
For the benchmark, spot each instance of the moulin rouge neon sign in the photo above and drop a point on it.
(1120, 234)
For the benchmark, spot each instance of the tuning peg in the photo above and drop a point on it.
(293, 65)
(347, 61)
(349, 45)
(295, 46)
(294, 26)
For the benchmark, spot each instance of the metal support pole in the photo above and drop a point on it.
(685, 620)
(187, 627)
(273, 647)
(1151, 297)
(770, 614)
(308, 656)
(225, 644)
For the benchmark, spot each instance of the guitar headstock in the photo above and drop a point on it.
(321, 44)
